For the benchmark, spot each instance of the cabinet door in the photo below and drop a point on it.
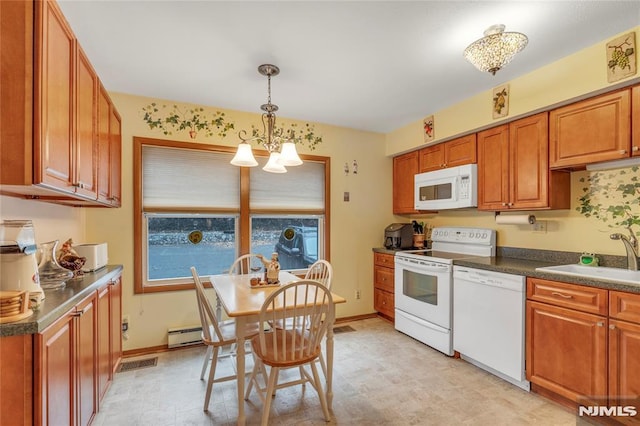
(115, 303)
(405, 167)
(529, 162)
(115, 159)
(635, 121)
(105, 374)
(86, 356)
(432, 158)
(593, 130)
(461, 151)
(566, 351)
(383, 302)
(104, 141)
(493, 168)
(624, 361)
(54, 88)
(86, 153)
(54, 382)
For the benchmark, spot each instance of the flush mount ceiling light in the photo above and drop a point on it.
(496, 49)
(282, 150)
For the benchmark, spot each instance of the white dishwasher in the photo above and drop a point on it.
(489, 322)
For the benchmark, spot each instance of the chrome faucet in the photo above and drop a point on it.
(631, 245)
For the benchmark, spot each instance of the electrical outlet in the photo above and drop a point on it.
(540, 227)
(125, 323)
(357, 294)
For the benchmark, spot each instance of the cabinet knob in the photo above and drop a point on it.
(612, 327)
(635, 149)
(444, 166)
(504, 204)
(78, 185)
(623, 151)
(510, 204)
(600, 323)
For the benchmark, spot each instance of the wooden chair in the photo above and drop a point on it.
(298, 343)
(216, 335)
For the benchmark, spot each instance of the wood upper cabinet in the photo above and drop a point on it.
(594, 130)
(49, 148)
(86, 150)
(54, 103)
(513, 168)
(109, 150)
(449, 154)
(635, 121)
(405, 167)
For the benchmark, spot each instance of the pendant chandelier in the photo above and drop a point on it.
(496, 49)
(282, 150)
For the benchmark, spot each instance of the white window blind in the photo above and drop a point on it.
(302, 187)
(177, 177)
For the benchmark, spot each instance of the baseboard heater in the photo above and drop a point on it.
(184, 336)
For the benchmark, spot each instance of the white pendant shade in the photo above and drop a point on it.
(244, 156)
(273, 166)
(289, 155)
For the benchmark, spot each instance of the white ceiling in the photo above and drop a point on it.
(371, 65)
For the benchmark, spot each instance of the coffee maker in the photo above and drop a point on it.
(18, 266)
(398, 236)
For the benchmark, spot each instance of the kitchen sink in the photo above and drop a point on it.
(595, 272)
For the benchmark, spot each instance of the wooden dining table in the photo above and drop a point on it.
(242, 303)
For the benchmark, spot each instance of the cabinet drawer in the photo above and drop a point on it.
(624, 306)
(383, 278)
(383, 259)
(582, 298)
(384, 302)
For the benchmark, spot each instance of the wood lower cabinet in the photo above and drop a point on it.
(594, 130)
(405, 167)
(624, 347)
(383, 284)
(65, 379)
(59, 376)
(582, 343)
(456, 152)
(513, 168)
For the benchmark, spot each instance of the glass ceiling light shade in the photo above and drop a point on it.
(272, 139)
(273, 165)
(244, 156)
(289, 155)
(496, 49)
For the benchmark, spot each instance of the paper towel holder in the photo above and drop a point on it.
(521, 220)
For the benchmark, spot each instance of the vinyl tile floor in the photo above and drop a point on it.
(381, 377)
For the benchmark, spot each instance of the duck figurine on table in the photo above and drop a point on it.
(272, 268)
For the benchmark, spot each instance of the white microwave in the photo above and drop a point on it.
(452, 188)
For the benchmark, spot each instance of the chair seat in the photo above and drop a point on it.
(296, 343)
(228, 333)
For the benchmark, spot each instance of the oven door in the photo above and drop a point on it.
(423, 289)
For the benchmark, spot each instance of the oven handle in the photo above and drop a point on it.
(422, 265)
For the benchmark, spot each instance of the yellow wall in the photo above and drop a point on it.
(356, 226)
(578, 74)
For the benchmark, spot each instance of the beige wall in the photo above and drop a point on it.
(578, 74)
(356, 226)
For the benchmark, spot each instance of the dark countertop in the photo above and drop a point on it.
(537, 259)
(58, 302)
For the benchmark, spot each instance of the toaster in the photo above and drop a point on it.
(96, 255)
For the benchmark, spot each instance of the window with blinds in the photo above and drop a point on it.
(189, 200)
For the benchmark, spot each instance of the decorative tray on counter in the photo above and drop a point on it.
(263, 284)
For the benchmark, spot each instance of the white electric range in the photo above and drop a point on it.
(423, 283)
